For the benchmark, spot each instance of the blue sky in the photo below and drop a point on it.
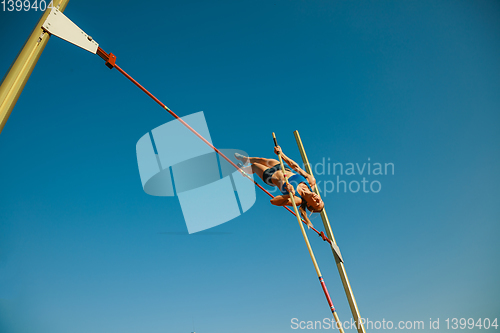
(413, 83)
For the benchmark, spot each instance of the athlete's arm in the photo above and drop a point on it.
(284, 200)
(295, 166)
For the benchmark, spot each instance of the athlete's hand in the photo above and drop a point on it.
(290, 189)
(312, 182)
(277, 150)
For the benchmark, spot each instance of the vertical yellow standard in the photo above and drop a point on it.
(309, 248)
(20, 71)
(340, 265)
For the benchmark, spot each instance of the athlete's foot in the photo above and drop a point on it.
(244, 170)
(242, 158)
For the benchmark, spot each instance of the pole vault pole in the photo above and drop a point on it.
(309, 248)
(20, 70)
(336, 252)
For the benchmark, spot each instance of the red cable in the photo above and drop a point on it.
(105, 56)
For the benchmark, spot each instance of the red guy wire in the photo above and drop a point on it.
(105, 56)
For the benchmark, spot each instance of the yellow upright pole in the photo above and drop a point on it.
(309, 248)
(340, 265)
(20, 70)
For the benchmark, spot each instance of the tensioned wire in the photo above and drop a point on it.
(106, 57)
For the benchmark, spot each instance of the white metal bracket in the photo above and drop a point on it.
(337, 251)
(59, 25)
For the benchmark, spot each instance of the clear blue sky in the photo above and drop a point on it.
(413, 83)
